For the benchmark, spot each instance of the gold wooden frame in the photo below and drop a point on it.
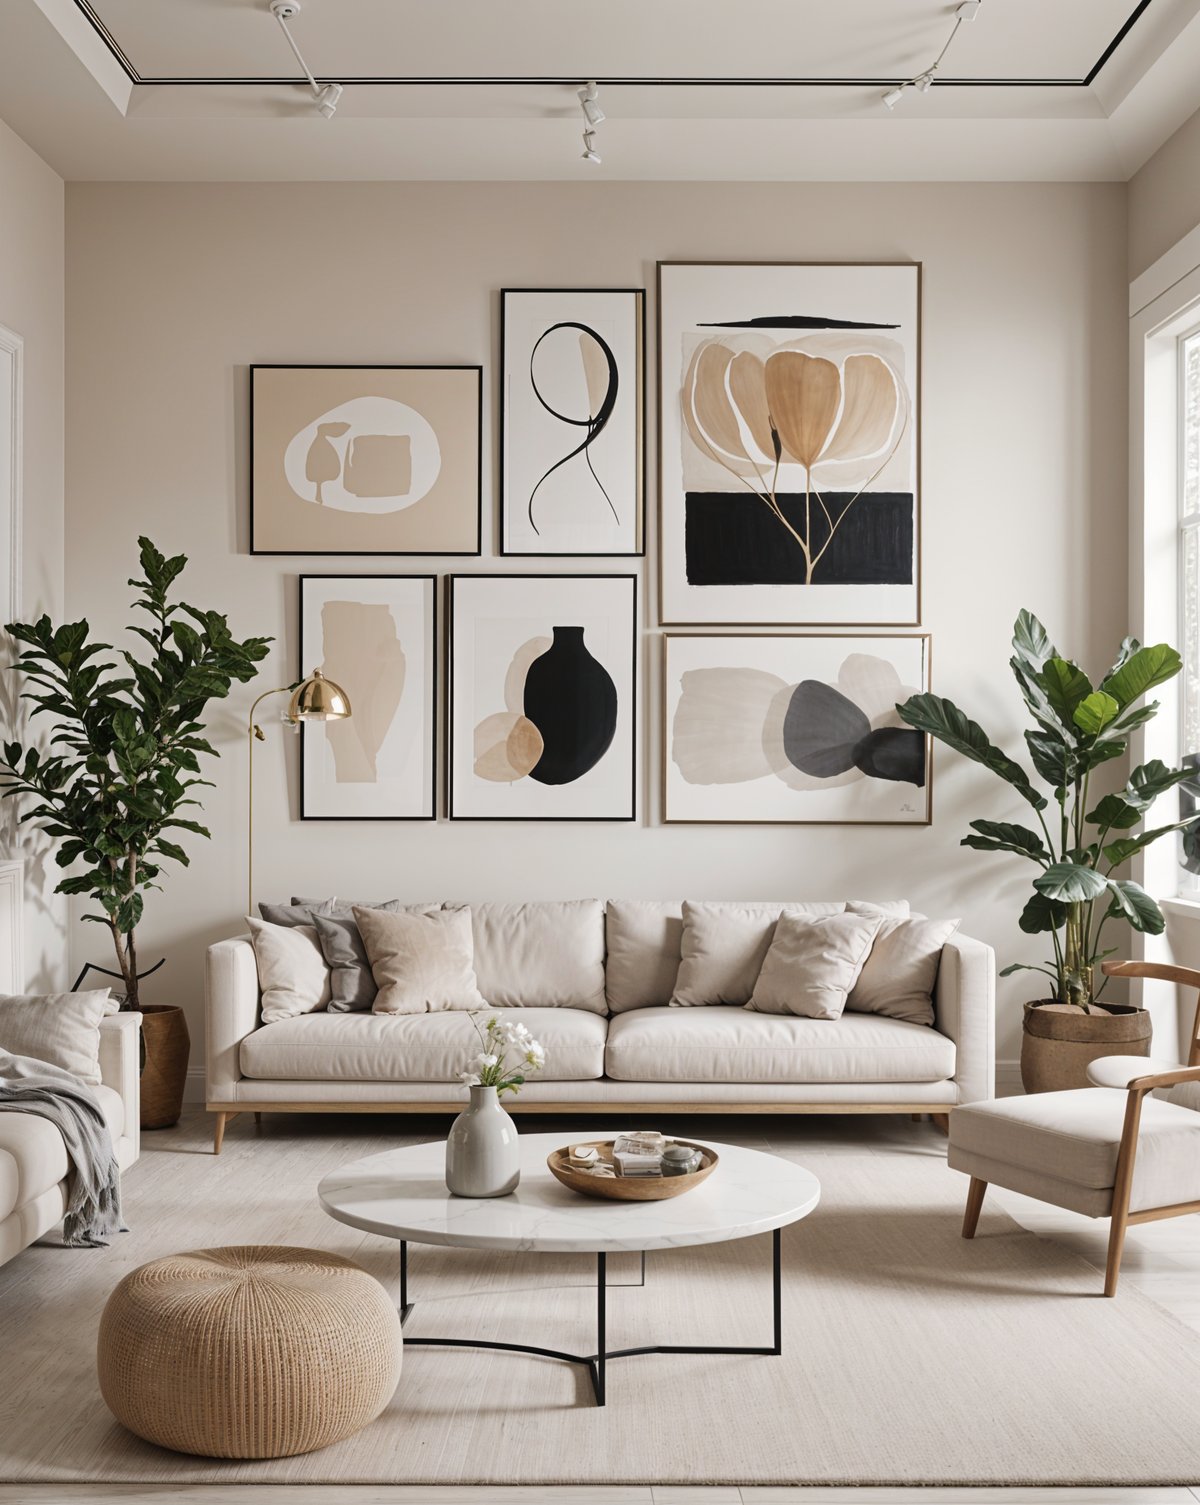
(670, 637)
(1137, 1089)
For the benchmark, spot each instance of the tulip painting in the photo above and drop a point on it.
(789, 443)
(759, 416)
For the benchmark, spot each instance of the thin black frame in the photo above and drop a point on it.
(641, 465)
(918, 409)
(793, 637)
(474, 553)
(434, 676)
(633, 699)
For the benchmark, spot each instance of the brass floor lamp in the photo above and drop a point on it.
(313, 699)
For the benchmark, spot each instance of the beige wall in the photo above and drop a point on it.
(31, 303)
(173, 290)
(1164, 197)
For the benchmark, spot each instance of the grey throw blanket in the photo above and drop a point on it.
(93, 1177)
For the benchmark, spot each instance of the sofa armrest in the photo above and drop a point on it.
(230, 1013)
(121, 1069)
(964, 1003)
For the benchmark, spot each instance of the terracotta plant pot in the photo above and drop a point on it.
(167, 1047)
(1060, 1041)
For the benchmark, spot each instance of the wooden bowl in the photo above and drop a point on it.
(627, 1188)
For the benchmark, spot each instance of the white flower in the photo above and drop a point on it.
(488, 1060)
(469, 1078)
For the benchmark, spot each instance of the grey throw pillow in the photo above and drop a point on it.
(294, 914)
(352, 983)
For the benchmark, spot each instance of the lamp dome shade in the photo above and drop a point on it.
(319, 699)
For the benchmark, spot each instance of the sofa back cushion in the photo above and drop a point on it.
(544, 954)
(725, 944)
(898, 977)
(292, 975)
(812, 963)
(422, 962)
(644, 938)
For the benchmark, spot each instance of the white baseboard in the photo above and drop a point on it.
(193, 1090)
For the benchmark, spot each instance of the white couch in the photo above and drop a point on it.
(33, 1158)
(615, 1045)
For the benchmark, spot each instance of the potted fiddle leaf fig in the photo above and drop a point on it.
(117, 783)
(1082, 842)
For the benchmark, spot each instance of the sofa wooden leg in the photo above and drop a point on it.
(975, 1193)
(219, 1130)
(941, 1121)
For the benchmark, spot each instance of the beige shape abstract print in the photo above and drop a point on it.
(375, 635)
(794, 729)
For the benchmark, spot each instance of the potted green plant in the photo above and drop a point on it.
(120, 773)
(1082, 844)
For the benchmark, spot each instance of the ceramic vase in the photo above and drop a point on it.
(571, 699)
(482, 1157)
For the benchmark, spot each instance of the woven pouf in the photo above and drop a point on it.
(248, 1353)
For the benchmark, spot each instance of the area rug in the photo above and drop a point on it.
(910, 1357)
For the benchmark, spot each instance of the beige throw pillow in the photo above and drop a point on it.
(61, 1028)
(292, 975)
(812, 964)
(421, 962)
(723, 948)
(898, 977)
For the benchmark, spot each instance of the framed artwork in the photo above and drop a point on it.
(789, 443)
(801, 730)
(543, 697)
(375, 635)
(572, 464)
(365, 459)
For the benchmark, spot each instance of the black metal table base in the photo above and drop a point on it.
(597, 1362)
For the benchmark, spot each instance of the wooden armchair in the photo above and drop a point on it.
(1080, 1149)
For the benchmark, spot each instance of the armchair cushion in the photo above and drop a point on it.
(61, 1028)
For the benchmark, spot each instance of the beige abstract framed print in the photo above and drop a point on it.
(365, 459)
(789, 443)
(800, 730)
(376, 636)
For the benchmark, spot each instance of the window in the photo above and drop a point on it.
(1189, 584)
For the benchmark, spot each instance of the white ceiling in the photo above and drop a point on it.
(205, 89)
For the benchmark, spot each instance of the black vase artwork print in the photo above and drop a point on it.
(572, 372)
(365, 459)
(542, 697)
(788, 404)
(798, 729)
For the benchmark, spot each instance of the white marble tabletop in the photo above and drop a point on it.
(402, 1194)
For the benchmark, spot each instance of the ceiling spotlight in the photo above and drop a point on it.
(589, 102)
(326, 97)
(590, 154)
(968, 10)
(893, 96)
(925, 82)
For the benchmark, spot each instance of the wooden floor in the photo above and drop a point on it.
(1162, 1259)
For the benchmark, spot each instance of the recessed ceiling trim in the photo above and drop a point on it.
(611, 81)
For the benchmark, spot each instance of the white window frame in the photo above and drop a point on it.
(1186, 522)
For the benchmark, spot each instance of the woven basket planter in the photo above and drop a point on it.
(1060, 1042)
(248, 1352)
(164, 1075)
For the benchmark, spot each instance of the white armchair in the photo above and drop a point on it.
(1126, 1148)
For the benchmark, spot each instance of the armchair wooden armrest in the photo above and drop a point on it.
(1164, 1079)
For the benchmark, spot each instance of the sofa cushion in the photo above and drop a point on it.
(414, 1047)
(351, 982)
(644, 940)
(812, 964)
(724, 946)
(33, 1157)
(1074, 1137)
(725, 1044)
(899, 974)
(542, 955)
(423, 963)
(292, 975)
(60, 1028)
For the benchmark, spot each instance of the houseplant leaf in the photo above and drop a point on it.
(1094, 712)
(942, 719)
(1042, 914)
(1065, 685)
(1135, 904)
(1053, 758)
(1143, 670)
(1031, 640)
(1000, 836)
(1070, 883)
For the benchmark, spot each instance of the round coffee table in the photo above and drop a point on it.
(402, 1194)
